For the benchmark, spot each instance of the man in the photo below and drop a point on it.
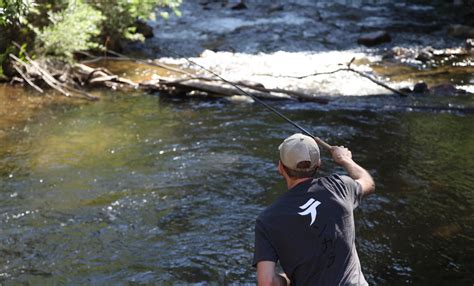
(310, 228)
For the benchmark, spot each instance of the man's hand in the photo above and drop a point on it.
(343, 157)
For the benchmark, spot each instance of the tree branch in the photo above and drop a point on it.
(27, 79)
(350, 69)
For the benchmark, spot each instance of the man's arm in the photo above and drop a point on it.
(267, 276)
(343, 157)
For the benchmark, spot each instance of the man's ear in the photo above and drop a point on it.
(281, 170)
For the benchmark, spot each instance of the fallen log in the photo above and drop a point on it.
(87, 75)
(296, 94)
(211, 89)
(260, 87)
(27, 79)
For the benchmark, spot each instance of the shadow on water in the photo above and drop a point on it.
(148, 189)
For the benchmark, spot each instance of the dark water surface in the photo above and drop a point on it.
(149, 190)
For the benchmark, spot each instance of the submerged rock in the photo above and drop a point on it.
(240, 99)
(461, 31)
(405, 90)
(374, 38)
(469, 45)
(399, 52)
(469, 19)
(446, 90)
(207, 53)
(420, 87)
(425, 54)
(275, 8)
(429, 55)
(238, 6)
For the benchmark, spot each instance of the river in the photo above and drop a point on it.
(146, 189)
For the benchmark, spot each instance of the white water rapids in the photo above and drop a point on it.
(276, 70)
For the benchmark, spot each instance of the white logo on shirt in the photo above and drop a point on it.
(310, 208)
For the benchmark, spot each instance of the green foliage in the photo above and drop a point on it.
(63, 27)
(12, 11)
(12, 15)
(3, 57)
(71, 30)
(122, 14)
(173, 4)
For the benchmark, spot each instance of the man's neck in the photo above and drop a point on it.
(293, 182)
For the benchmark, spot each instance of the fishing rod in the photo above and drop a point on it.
(269, 107)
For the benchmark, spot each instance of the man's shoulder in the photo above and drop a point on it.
(346, 190)
(337, 180)
(270, 211)
(335, 176)
(276, 209)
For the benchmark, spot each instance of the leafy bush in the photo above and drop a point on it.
(12, 14)
(63, 27)
(11, 11)
(71, 30)
(122, 14)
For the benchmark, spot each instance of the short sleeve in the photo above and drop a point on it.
(353, 190)
(264, 250)
(345, 188)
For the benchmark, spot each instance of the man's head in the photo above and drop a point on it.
(299, 156)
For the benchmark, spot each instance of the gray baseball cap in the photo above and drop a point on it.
(298, 148)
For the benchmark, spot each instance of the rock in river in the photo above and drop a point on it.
(425, 54)
(461, 31)
(238, 6)
(420, 87)
(144, 29)
(374, 38)
(446, 90)
(469, 45)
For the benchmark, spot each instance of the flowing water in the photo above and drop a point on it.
(146, 189)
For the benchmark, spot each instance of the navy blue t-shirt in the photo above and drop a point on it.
(310, 230)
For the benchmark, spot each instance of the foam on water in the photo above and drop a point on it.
(468, 88)
(274, 70)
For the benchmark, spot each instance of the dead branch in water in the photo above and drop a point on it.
(261, 91)
(350, 69)
(33, 67)
(26, 78)
(210, 89)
